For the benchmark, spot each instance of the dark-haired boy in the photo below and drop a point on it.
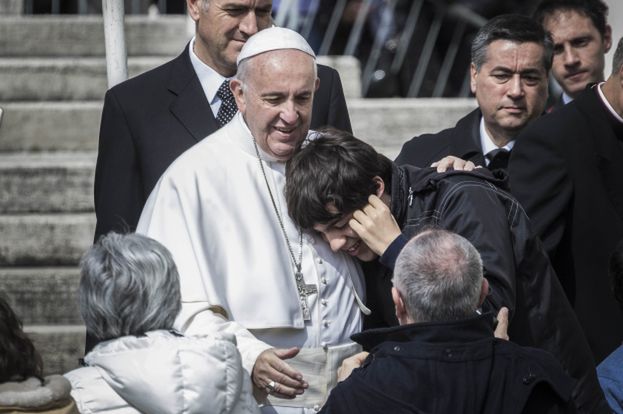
(328, 186)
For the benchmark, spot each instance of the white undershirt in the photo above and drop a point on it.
(487, 144)
(210, 79)
(566, 98)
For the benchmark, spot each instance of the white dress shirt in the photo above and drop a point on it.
(487, 144)
(210, 79)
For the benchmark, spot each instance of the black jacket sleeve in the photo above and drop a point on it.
(118, 199)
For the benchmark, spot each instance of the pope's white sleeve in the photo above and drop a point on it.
(196, 319)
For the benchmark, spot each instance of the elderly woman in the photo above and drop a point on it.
(129, 299)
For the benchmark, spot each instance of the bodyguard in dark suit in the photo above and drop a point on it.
(511, 57)
(148, 121)
(567, 171)
(581, 37)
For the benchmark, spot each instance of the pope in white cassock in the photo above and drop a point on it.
(220, 209)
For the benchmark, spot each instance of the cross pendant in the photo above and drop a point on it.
(304, 291)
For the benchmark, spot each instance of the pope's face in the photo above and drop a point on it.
(276, 99)
(510, 87)
(223, 26)
(579, 50)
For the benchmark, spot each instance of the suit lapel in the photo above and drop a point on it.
(465, 142)
(190, 106)
(608, 151)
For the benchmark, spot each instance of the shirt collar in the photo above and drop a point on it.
(210, 79)
(566, 98)
(605, 101)
(487, 144)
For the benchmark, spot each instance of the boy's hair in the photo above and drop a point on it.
(332, 168)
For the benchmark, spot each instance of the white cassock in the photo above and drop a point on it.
(212, 210)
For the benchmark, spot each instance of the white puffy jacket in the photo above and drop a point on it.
(163, 373)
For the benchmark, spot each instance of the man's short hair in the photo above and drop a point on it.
(439, 276)
(596, 10)
(129, 285)
(332, 168)
(616, 273)
(515, 28)
(617, 59)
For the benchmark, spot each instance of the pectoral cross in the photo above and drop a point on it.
(304, 291)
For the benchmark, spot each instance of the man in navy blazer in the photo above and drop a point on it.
(511, 58)
(567, 172)
(148, 121)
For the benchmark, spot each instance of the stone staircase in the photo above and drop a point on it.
(52, 82)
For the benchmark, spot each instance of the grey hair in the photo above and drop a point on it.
(205, 4)
(515, 28)
(439, 276)
(129, 285)
(617, 59)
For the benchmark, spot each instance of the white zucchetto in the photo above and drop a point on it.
(274, 38)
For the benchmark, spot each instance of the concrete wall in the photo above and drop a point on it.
(11, 7)
(615, 18)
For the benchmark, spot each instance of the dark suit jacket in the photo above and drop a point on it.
(148, 121)
(567, 170)
(462, 141)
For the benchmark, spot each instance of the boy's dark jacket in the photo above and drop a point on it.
(475, 205)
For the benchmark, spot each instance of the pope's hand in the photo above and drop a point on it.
(453, 163)
(276, 377)
(375, 225)
(349, 364)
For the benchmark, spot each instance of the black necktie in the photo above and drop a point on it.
(228, 104)
(498, 159)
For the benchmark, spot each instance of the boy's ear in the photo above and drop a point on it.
(380, 185)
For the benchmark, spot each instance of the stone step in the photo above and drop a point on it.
(74, 126)
(46, 182)
(57, 79)
(42, 295)
(71, 35)
(84, 78)
(387, 123)
(60, 346)
(45, 239)
(50, 126)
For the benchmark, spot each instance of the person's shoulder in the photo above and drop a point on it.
(423, 149)
(324, 70)
(537, 365)
(146, 81)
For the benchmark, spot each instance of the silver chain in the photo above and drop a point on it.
(298, 264)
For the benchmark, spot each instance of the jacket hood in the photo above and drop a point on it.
(164, 372)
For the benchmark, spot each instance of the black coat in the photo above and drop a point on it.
(453, 367)
(567, 171)
(149, 120)
(515, 264)
(463, 141)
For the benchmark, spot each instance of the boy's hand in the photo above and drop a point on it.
(375, 225)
